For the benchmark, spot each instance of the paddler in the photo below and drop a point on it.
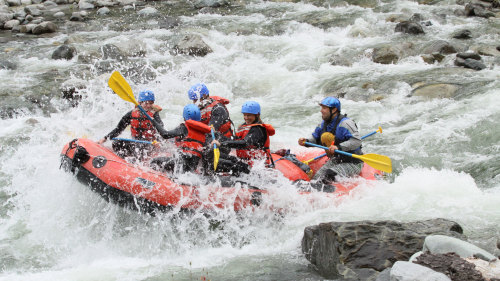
(140, 127)
(345, 137)
(189, 137)
(213, 109)
(251, 142)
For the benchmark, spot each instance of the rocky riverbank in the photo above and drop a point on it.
(29, 19)
(388, 250)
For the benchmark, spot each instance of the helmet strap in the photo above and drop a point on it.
(333, 114)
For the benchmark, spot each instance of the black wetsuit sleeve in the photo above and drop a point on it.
(157, 118)
(256, 137)
(219, 116)
(179, 131)
(124, 122)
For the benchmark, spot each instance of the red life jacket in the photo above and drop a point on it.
(141, 127)
(193, 142)
(206, 114)
(252, 152)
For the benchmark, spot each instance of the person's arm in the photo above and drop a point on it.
(219, 117)
(157, 118)
(179, 131)
(348, 135)
(124, 122)
(255, 137)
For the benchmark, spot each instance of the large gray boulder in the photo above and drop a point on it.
(386, 54)
(437, 90)
(110, 51)
(44, 27)
(193, 45)
(470, 63)
(439, 46)
(4, 17)
(65, 52)
(340, 248)
(198, 4)
(5, 64)
(477, 10)
(409, 27)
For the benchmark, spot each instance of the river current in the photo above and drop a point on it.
(287, 56)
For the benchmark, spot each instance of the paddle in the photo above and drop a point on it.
(379, 162)
(138, 141)
(216, 150)
(324, 154)
(120, 86)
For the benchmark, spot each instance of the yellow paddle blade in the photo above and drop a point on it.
(120, 86)
(216, 150)
(379, 129)
(216, 157)
(327, 139)
(379, 162)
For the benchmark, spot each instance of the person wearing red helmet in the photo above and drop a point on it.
(140, 127)
(345, 137)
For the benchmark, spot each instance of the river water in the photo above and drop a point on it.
(287, 56)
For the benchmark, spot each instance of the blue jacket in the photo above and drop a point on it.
(347, 137)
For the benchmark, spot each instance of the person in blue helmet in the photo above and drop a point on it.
(140, 127)
(251, 142)
(190, 138)
(346, 138)
(213, 109)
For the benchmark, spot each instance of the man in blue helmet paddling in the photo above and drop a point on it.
(213, 109)
(140, 127)
(345, 137)
(190, 138)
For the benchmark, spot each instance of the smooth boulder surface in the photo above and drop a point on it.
(440, 244)
(408, 271)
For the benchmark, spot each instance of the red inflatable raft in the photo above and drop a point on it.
(148, 190)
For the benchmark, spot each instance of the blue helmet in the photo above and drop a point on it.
(251, 107)
(198, 91)
(331, 102)
(191, 112)
(146, 95)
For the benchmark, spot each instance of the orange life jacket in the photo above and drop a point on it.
(193, 142)
(140, 126)
(253, 152)
(206, 115)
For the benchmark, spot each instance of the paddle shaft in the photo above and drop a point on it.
(145, 113)
(213, 136)
(324, 154)
(326, 148)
